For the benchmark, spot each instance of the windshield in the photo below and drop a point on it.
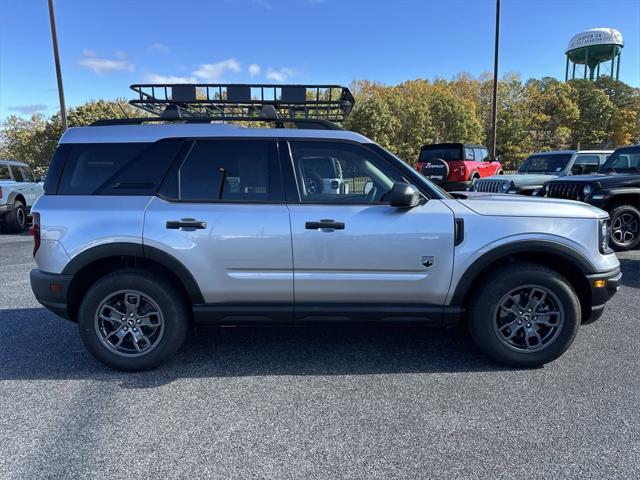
(627, 160)
(549, 164)
(445, 153)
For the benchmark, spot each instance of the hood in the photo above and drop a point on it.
(521, 206)
(522, 178)
(606, 180)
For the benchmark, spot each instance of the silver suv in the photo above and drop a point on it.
(146, 230)
(19, 189)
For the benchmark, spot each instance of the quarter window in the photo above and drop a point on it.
(4, 172)
(335, 172)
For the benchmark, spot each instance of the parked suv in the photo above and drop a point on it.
(542, 167)
(614, 188)
(144, 230)
(18, 191)
(456, 166)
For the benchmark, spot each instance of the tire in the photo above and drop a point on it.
(16, 219)
(625, 228)
(165, 330)
(474, 178)
(436, 170)
(489, 324)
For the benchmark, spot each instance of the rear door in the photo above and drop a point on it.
(220, 211)
(354, 248)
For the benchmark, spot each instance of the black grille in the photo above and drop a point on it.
(568, 190)
(492, 186)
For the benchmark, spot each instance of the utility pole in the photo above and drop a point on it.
(56, 58)
(494, 117)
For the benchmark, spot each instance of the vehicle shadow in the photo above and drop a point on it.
(630, 272)
(39, 345)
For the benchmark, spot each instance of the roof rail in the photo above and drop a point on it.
(245, 102)
(302, 123)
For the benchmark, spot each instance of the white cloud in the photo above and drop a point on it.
(159, 47)
(105, 65)
(263, 3)
(254, 70)
(29, 109)
(279, 74)
(214, 72)
(156, 78)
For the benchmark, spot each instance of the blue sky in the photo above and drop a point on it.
(105, 45)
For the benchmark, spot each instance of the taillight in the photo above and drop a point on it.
(35, 231)
(0, 192)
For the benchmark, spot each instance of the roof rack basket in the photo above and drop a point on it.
(245, 102)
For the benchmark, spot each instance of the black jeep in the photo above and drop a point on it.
(615, 188)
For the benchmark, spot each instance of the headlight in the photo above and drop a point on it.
(604, 234)
(505, 186)
(586, 191)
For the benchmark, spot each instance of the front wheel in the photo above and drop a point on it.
(132, 321)
(625, 228)
(524, 315)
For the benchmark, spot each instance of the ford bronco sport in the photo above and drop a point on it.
(456, 166)
(542, 167)
(614, 188)
(147, 229)
(18, 191)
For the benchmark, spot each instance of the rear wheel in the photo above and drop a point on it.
(524, 315)
(625, 227)
(16, 219)
(132, 321)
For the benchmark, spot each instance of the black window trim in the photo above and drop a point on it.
(290, 177)
(189, 143)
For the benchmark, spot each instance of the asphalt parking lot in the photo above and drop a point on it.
(318, 402)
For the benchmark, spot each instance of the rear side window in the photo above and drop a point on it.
(226, 170)
(17, 174)
(116, 168)
(468, 154)
(4, 172)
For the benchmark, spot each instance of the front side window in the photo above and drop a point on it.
(624, 160)
(337, 172)
(27, 175)
(225, 170)
(481, 154)
(585, 164)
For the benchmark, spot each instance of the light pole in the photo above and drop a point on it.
(56, 58)
(494, 115)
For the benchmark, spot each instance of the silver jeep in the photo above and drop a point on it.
(145, 230)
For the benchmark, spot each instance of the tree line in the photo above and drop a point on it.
(539, 114)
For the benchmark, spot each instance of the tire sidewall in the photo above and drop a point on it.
(172, 308)
(616, 212)
(13, 223)
(481, 314)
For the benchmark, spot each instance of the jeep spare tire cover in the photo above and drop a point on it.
(436, 170)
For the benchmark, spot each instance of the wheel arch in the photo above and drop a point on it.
(92, 264)
(566, 261)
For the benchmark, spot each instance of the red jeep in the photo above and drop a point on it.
(455, 166)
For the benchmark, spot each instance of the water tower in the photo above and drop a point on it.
(593, 47)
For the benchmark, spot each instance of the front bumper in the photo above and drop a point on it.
(51, 291)
(603, 287)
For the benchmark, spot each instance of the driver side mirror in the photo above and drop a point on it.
(403, 195)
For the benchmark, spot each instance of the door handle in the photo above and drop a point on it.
(324, 224)
(190, 223)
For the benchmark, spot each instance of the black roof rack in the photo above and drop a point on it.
(298, 104)
(302, 123)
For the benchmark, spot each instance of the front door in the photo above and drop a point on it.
(221, 213)
(353, 247)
